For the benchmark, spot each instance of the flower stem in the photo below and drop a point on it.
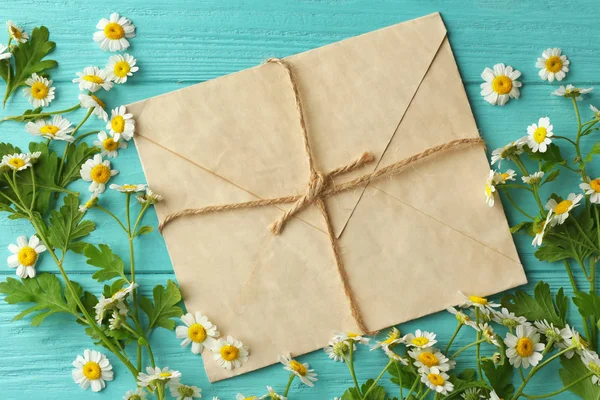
(98, 206)
(85, 135)
(350, 364)
(509, 197)
(466, 347)
(389, 364)
(42, 115)
(543, 396)
(289, 384)
(478, 348)
(453, 337)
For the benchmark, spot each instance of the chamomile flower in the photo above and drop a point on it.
(502, 177)
(431, 357)
(153, 375)
(230, 353)
(553, 333)
(90, 203)
(490, 189)
(524, 348)
(58, 128)
(110, 147)
(508, 319)
(301, 370)
(198, 331)
(133, 188)
(571, 91)
(539, 135)
(272, 395)
(120, 67)
(500, 84)
(115, 301)
(389, 351)
(393, 335)
(150, 197)
(16, 32)
(179, 391)
(121, 124)
(595, 111)
(553, 65)
(571, 338)
(561, 210)
(534, 178)
(338, 349)
(17, 161)
(591, 187)
(488, 333)
(4, 54)
(592, 362)
(114, 32)
(420, 339)
(539, 227)
(437, 380)
(138, 394)
(93, 79)
(472, 394)
(479, 302)
(39, 90)
(92, 101)
(355, 337)
(509, 151)
(25, 255)
(462, 317)
(98, 172)
(92, 369)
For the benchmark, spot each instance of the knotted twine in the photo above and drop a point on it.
(320, 186)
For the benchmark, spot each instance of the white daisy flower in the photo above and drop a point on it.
(338, 349)
(115, 300)
(90, 203)
(301, 370)
(500, 84)
(558, 336)
(114, 32)
(539, 135)
(462, 317)
(494, 395)
(17, 161)
(16, 32)
(393, 335)
(561, 210)
(534, 178)
(230, 353)
(502, 177)
(595, 111)
(272, 395)
(508, 319)
(524, 348)
(488, 333)
(472, 394)
(179, 391)
(4, 54)
(138, 394)
(92, 101)
(59, 128)
(509, 151)
(437, 380)
(553, 65)
(571, 91)
(115, 321)
(153, 375)
(570, 337)
(490, 189)
(198, 331)
(150, 197)
(93, 79)
(121, 124)
(421, 339)
(356, 337)
(39, 90)
(98, 172)
(431, 357)
(128, 188)
(592, 362)
(110, 147)
(591, 187)
(120, 67)
(540, 230)
(93, 369)
(25, 255)
(389, 351)
(481, 303)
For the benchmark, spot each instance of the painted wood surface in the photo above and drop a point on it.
(181, 42)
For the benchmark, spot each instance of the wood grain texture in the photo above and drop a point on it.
(181, 42)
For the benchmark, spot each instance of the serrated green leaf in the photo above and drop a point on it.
(376, 393)
(76, 156)
(402, 373)
(551, 253)
(66, 225)
(572, 370)
(111, 266)
(539, 307)
(587, 304)
(500, 377)
(164, 308)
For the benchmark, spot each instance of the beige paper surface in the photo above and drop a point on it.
(420, 236)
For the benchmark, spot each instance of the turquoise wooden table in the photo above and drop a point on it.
(182, 42)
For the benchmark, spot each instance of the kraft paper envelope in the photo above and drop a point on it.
(409, 243)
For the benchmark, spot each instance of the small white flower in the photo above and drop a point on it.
(393, 335)
(488, 333)
(472, 394)
(338, 349)
(481, 303)
(150, 197)
(508, 319)
(115, 300)
(301, 370)
(571, 91)
(509, 151)
(121, 124)
(571, 338)
(93, 369)
(25, 255)
(591, 360)
(120, 67)
(230, 353)
(4, 54)
(553, 65)
(39, 90)
(59, 128)
(92, 101)
(389, 351)
(114, 32)
(128, 188)
(524, 348)
(595, 111)
(558, 336)
(462, 317)
(184, 392)
(534, 178)
(436, 380)
(591, 187)
(93, 79)
(272, 395)
(502, 177)
(17, 161)
(198, 331)
(138, 394)
(421, 339)
(90, 203)
(431, 357)
(355, 337)
(110, 147)
(490, 189)
(561, 210)
(539, 135)
(540, 230)
(500, 84)
(16, 32)
(98, 172)
(153, 375)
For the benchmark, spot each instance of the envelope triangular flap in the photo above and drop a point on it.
(244, 127)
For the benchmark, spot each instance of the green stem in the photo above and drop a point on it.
(509, 197)
(543, 396)
(425, 394)
(478, 348)
(289, 384)
(466, 347)
(584, 234)
(53, 188)
(85, 135)
(8, 75)
(567, 139)
(536, 195)
(350, 364)
(571, 277)
(63, 159)
(42, 115)
(399, 381)
(7, 197)
(98, 206)
(389, 364)
(32, 188)
(413, 387)
(458, 326)
(578, 138)
(139, 218)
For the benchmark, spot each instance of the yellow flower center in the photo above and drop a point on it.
(504, 176)
(133, 187)
(298, 367)
(436, 379)
(165, 374)
(49, 130)
(91, 370)
(391, 337)
(428, 359)
(479, 300)
(488, 190)
(524, 347)
(196, 332)
(420, 341)
(554, 64)
(502, 84)
(100, 173)
(90, 203)
(595, 185)
(98, 101)
(14, 32)
(27, 256)
(563, 207)
(93, 79)
(113, 31)
(16, 162)
(121, 69)
(540, 134)
(39, 91)
(118, 124)
(229, 353)
(110, 145)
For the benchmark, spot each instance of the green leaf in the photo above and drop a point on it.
(595, 150)
(66, 226)
(500, 377)
(76, 156)
(405, 372)
(45, 291)
(28, 115)
(539, 307)
(376, 393)
(522, 226)
(164, 308)
(7, 148)
(551, 253)
(551, 177)
(588, 304)
(573, 370)
(144, 230)
(111, 266)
